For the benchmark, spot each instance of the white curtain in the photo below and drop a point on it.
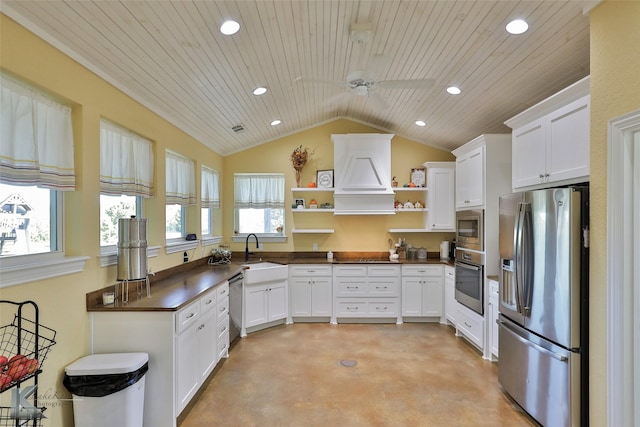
(259, 191)
(36, 139)
(126, 162)
(210, 188)
(181, 180)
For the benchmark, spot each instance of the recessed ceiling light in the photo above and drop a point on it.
(453, 90)
(517, 26)
(276, 122)
(420, 123)
(260, 90)
(229, 27)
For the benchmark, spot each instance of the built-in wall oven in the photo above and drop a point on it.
(469, 289)
(469, 229)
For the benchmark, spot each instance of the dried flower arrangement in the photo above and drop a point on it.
(299, 158)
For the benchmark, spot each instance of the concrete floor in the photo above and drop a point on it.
(415, 374)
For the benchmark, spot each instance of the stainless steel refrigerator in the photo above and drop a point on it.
(543, 322)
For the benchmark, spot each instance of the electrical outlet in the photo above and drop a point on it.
(315, 246)
(260, 247)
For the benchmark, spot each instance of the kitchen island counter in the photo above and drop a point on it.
(169, 293)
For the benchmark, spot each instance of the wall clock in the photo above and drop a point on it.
(418, 177)
(325, 178)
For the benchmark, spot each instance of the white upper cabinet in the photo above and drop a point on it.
(470, 187)
(551, 140)
(440, 197)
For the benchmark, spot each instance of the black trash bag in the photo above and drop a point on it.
(102, 385)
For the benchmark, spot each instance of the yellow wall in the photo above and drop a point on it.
(615, 90)
(352, 233)
(62, 300)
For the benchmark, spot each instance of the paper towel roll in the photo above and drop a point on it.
(444, 250)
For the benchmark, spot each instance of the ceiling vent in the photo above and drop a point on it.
(237, 128)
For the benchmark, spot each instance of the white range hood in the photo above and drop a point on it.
(362, 182)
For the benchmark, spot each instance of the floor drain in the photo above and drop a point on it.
(348, 363)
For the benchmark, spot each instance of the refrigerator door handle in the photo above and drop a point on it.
(541, 349)
(527, 256)
(517, 254)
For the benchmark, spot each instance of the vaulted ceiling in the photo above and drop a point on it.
(171, 57)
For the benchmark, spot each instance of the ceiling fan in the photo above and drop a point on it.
(365, 83)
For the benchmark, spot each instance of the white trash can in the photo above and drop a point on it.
(107, 389)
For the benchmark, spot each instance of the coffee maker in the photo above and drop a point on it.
(452, 249)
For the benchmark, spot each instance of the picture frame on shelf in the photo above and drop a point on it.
(418, 177)
(298, 204)
(324, 178)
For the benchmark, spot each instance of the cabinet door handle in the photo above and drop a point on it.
(208, 302)
(467, 325)
(352, 308)
(190, 315)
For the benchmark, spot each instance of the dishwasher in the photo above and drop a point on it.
(235, 306)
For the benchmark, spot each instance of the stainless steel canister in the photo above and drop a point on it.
(132, 248)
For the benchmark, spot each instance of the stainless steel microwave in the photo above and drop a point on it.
(470, 229)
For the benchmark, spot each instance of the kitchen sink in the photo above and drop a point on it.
(264, 271)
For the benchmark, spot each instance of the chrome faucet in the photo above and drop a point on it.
(246, 246)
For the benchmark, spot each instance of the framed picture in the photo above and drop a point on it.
(324, 178)
(299, 203)
(419, 177)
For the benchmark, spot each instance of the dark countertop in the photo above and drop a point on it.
(174, 288)
(170, 293)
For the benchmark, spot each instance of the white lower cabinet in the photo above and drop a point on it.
(493, 318)
(184, 347)
(310, 291)
(450, 303)
(470, 325)
(422, 291)
(265, 303)
(361, 291)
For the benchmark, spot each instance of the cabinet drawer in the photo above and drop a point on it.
(350, 270)
(382, 308)
(222, 327)
(187, 316)
(351, 308)
(383, 287)
(493, 287)
(421, 270)
(207, 302)
(383, 270)
(310, 270)
(222, 308)
(223, 345)
(471, 326)
(351, 287)
(222, 291)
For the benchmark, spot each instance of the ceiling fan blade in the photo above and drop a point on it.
(406, 84)
(336, 98)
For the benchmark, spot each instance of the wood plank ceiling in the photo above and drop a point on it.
(170, 56)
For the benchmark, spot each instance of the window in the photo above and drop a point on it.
(28, 220)
(181, 192)
(259, 204)
(36, 166)
(126, 176)
(175, 227)
(210, 199)
(113, 208)
(206, 218)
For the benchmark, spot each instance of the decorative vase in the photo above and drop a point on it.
(298, 173)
